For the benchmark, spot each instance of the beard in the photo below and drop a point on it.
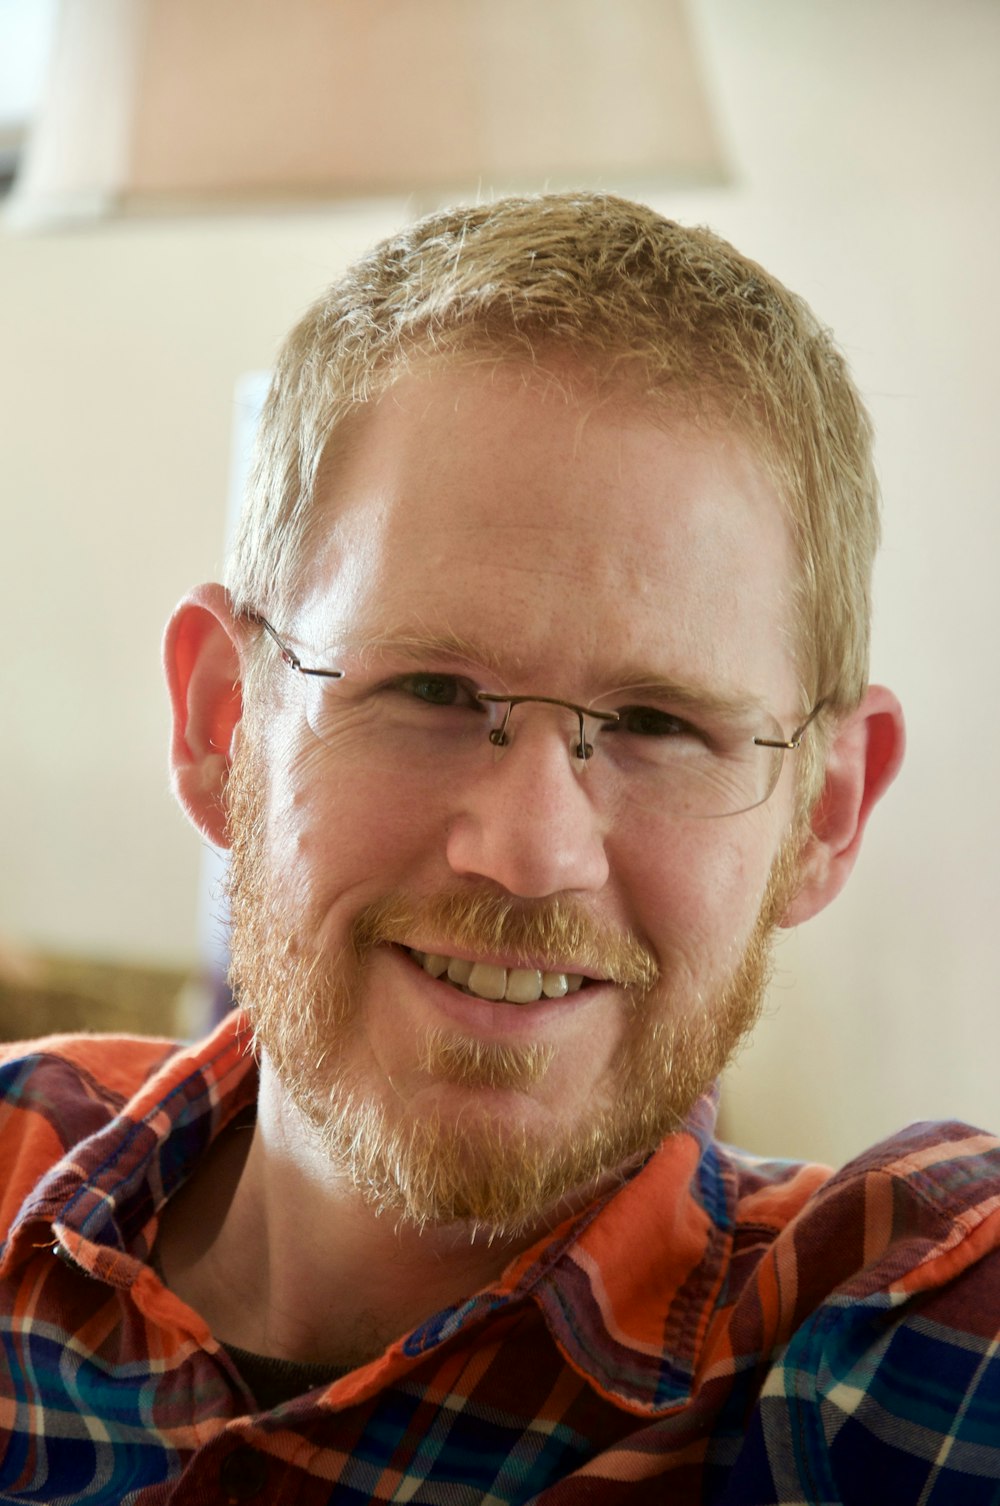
(476, 1167)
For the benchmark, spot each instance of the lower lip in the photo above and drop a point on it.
(498, 1018)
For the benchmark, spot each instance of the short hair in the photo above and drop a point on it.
(669, 314)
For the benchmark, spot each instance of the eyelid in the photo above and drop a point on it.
(405, 675)
(686, 699)
(680, 711)
(686, 708)
(382, 665)
(714, 728)
(681, 723)
(469, 687)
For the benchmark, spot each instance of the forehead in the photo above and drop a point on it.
(561, 530)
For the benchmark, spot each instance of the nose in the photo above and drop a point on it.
(526, 820)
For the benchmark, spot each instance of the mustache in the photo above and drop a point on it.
(556, 932)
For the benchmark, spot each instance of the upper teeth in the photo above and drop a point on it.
(516, 985)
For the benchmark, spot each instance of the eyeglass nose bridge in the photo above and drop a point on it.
(583, 750)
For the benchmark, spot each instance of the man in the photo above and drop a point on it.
(536, 698)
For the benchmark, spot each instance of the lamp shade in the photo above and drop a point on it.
(167, 104)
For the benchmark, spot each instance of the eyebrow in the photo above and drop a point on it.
(690, 693)
(415, 646)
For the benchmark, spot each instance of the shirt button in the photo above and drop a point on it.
(243, 1473)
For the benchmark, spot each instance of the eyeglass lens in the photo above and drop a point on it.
(676, 760)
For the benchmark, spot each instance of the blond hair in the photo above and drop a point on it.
(669, 314)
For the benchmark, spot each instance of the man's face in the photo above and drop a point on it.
(486, 531)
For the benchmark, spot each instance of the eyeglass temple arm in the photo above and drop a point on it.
(498, 737)
(292, 660)
(796, 737)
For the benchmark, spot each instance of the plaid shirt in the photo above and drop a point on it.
(720, 1329)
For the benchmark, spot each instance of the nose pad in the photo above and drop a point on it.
(527, 824)
(500, 736)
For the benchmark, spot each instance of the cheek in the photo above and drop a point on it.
(337, 836)
(695, 894)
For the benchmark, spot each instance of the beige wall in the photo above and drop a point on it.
(864, 138)
(120, 349)
(866, 133)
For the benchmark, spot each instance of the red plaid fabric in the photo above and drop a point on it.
(720, 1329)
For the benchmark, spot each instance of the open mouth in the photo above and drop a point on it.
(484, 980)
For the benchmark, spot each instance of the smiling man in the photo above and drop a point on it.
(536, 699)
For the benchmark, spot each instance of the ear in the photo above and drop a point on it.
(203, 664)
(864, 759)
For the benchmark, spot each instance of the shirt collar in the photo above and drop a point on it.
(100, 1203)
(627, 1288)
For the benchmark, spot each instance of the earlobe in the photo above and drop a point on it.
(202, 661)
(864, 759)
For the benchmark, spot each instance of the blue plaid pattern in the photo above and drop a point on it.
(721, 1329)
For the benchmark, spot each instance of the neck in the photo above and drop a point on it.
(283, 1256)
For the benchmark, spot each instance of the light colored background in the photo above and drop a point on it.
(864, 137)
